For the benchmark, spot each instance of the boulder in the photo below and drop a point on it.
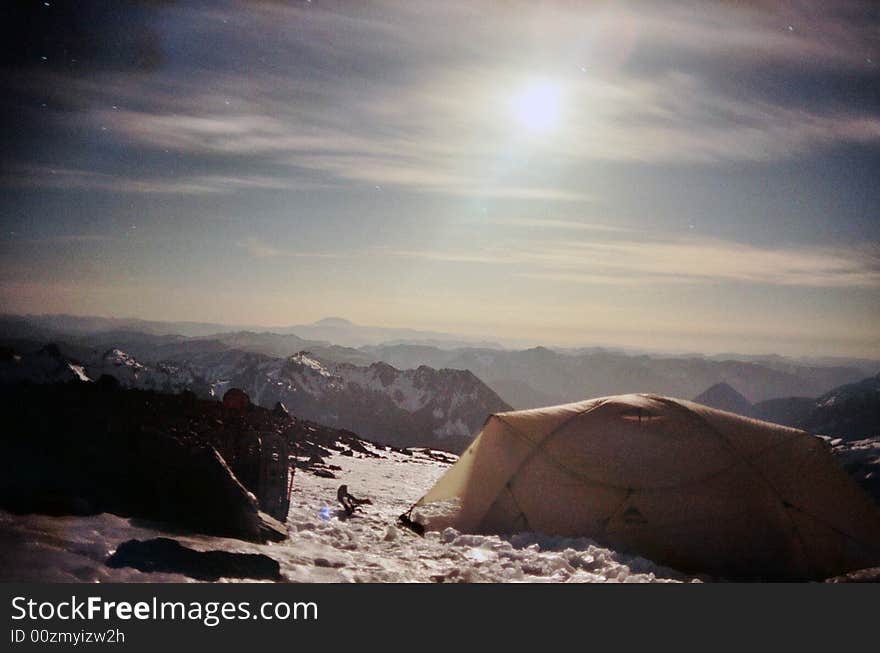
(127, 452)
(167, 555)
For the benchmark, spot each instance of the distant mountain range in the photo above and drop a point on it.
(541, 376)
(424, 407)
(851, 411)
(339, 331)
(776, 387)
(331, 330)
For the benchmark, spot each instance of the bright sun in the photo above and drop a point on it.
(536, 107)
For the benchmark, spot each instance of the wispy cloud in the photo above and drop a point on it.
(261, 249)
(672, 261)
(680, 118)
(491, 256)
(72, 178)
(301, 143)
(565, 225)
(703, 260)
(807, 34)
(470, 147)
(12, 238)
(400, 103)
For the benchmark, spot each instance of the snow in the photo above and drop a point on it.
(311, 363)
(401, 389)
(326, 545)
(317, 378)
(304, 372)
(79, 371)
(457, 427)
(120, 358)
(164, 377)
(39, 548)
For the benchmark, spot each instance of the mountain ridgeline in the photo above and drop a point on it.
(850, 411)
(423, 388)
(424, 407)
(540, 376)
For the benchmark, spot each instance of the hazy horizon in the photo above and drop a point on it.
(664, 177)
(462, 339)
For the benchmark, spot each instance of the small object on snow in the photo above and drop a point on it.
(349, 502)
(414, 526)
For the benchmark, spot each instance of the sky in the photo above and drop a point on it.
(680, 175)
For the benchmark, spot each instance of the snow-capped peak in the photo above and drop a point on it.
(119, 357)
(304, 358)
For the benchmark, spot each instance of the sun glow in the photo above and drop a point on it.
(537, 106)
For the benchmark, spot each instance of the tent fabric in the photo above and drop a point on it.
(683, 484)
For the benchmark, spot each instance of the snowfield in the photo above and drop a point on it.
(325, 545)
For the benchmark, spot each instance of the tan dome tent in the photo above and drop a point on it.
(685, 485)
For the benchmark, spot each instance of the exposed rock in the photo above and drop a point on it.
(167, 555)
(851, 411)
(861, 460)
(91, 454)
(441, 408)
(135, 453)
(46, 365)
(271, 530)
